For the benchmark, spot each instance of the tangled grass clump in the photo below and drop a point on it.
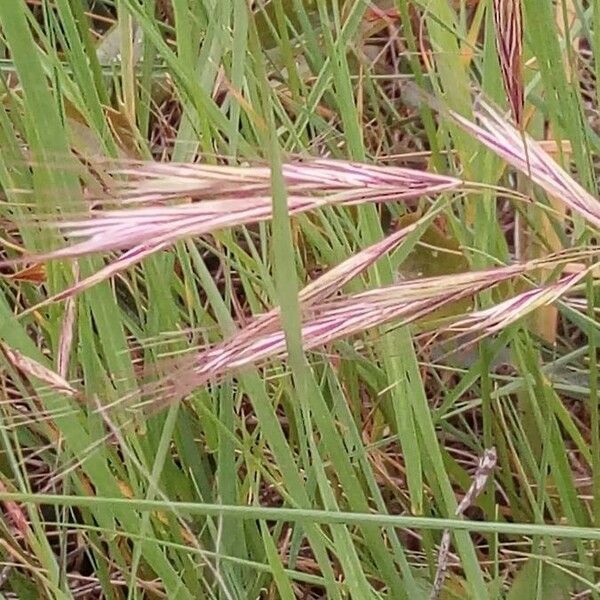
(253, 346)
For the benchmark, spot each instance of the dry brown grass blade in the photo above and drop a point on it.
(16, 514)
(32, 368)
(65, 341)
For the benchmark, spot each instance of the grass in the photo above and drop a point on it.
(265, 376)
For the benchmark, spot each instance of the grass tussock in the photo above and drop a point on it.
(299, 299)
